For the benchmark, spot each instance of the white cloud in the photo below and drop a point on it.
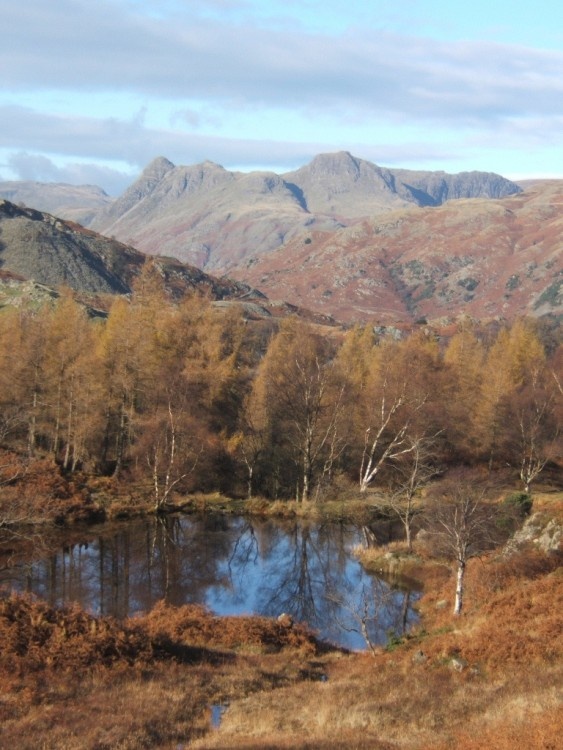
(238, 83)
(39, 168)
(136, 144)
(106, 46)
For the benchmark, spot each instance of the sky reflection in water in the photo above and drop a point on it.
(230, 564)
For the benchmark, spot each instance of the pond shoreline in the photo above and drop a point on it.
(444, 663)
(231, 564)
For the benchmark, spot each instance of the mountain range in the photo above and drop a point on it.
(215, 219)
(341, 236)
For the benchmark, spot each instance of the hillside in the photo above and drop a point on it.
(340, 236)
(485, 258)
(40, 253)
(53, 252)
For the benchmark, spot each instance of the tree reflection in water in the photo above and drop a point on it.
(232, 565)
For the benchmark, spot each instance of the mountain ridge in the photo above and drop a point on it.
(214, 218)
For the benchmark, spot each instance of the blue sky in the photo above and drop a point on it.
(91, 92)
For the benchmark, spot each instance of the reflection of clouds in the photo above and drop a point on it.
(233, 565)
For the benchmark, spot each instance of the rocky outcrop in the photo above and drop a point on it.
(539, 530)
(39, 247)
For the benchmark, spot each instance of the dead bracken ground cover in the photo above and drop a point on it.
(491, 678)
(70, 680)
(488, 679)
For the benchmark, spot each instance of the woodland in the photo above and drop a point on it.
(159, 401)
(182, 397)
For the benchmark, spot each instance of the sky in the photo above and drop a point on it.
(91, 92)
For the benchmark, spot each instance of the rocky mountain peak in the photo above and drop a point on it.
(151, 176)
(207, 174)
(156, 170)
(341, 184)
(338, 164)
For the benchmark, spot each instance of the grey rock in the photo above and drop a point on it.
(419, 657)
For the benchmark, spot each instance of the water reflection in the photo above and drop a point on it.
(232, 565)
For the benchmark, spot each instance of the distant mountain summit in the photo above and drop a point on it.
(354, 187)
(76, 202)
(214, 218)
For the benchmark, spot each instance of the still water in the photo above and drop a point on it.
(232, 565)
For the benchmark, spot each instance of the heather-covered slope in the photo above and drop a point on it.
(486, 258)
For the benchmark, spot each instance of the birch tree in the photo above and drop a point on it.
(462, 525)
(168, 457)
(412, 471)
(394, 397)
(536, 427)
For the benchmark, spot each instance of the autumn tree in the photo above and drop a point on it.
(189, 407)
(509, 363)
(535, 427)
(23, 373)
(129, 360)
(14, 384)
(463, 374)
(393, 390)
(249, 443)
(411, 471)
(71, 390)
(304, 404)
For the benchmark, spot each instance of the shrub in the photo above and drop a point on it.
(519, 502)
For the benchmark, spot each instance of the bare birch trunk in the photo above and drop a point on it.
(459, 587)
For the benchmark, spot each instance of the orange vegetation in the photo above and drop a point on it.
(483, 680)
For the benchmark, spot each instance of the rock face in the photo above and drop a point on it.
(214, 218)
(340, 184)
(544, 533)
(205, 215)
